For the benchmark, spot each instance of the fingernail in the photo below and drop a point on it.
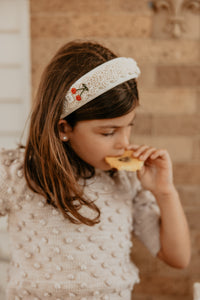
(135, 153)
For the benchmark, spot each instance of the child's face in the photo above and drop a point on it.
(93, 140)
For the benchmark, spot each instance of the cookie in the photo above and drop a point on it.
(125, 162)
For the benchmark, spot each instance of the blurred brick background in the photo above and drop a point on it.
(169, 116)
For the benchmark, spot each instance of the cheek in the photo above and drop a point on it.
(85, 145)
(97, 146)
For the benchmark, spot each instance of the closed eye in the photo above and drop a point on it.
(108, 134)
(113, 132)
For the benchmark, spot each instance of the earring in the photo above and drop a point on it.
(64, 138)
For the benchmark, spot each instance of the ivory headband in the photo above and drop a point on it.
(98, 81)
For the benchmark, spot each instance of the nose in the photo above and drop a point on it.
(122, 140)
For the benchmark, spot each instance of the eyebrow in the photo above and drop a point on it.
(109, 126)
(114, 126)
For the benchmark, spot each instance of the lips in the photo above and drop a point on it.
(116, 155)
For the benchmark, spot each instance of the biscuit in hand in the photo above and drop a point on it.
(125, 162)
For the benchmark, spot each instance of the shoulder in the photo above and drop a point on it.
(11, 171)
(11, 154)
(11, 159)
(11, 165)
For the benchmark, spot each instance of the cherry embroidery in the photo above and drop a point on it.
(83, 89)
(78, 97)
(73, 90)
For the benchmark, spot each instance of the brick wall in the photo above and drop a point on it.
(168, 116)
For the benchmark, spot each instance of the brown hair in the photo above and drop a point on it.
(51, 167)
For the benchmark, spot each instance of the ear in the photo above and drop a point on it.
(64, 130)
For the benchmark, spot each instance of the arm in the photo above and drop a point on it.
(157, 176)
(174, 233)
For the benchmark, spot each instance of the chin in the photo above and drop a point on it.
(103, 167)
(106, 168)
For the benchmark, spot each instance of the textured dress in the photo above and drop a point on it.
(54, 259)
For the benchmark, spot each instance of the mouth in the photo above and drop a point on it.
(118, 155)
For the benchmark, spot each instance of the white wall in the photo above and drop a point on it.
(14, 70)
(14, 93)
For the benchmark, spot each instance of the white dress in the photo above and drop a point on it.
(54, 259)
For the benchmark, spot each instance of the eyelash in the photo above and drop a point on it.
(108, 134)
(112, 133)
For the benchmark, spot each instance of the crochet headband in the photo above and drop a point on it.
(98, 81)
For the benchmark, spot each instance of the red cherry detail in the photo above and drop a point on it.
(78, 97)
(73, 90)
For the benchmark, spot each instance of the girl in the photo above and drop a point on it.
(70, 216)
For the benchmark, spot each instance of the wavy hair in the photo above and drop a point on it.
(51, 167)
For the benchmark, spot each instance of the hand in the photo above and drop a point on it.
(156, 174)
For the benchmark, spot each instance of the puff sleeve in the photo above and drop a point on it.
(145, 214)
(146, 220)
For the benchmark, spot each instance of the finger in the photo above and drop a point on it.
(140, 172)
(133, 147)
(141, 150)
(147, 154)
(162, 153)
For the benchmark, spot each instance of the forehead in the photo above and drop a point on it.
(118, 122)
